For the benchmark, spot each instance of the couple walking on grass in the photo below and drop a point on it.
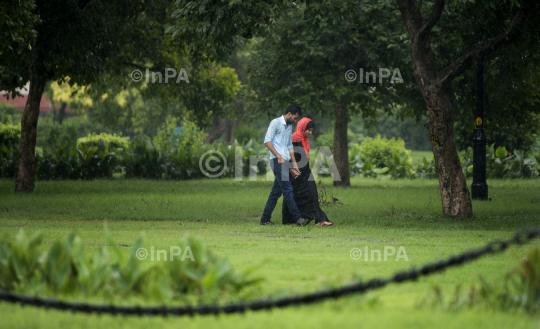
(289, 160)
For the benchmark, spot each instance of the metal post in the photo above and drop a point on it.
(479, 185)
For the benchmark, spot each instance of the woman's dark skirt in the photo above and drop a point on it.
(305, 196)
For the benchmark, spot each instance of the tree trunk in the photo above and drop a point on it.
(341, 150)
(229, 132)
(29, 121)
(219, 127)
(454, 192)
(455, 197)
(61, 113)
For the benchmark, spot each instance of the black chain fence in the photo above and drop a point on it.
(412, 274)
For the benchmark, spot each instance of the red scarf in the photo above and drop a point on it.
(300, 135)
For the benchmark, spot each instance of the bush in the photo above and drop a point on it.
(243, 133)
(7, 111)
(326, 139)
(66, 269)
(10, 134)
(112, 141)
(143, 159)
(426, 169)
(171, 137)
(380, 151)
(501, 164)
(55, 136)
(67, 162)
(401, 166)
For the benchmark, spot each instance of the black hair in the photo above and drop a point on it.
(310, 125)
(293, 108)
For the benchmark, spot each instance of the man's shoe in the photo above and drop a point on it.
(301, 221)
(269, 223)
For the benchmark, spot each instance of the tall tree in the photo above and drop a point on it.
(72, 38)
(433, 84)
(504, 20)
(307, 64)
(101, 41)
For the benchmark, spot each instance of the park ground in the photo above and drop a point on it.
(225, 214)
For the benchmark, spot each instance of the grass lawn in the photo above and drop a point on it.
(225, 214)
(417, 156)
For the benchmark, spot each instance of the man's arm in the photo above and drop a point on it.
(294, 170)
(269, 137)
(274, 152)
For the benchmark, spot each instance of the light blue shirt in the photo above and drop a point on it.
(279, 133)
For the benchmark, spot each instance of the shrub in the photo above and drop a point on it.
(171, 137)
(357, 166)
(112, 141)
(9, 161)
(380, 151)
(427, 169)
(10, 134)
(400, 166)
(326, 139)
(66, 269)
(143, 159)
(244, 133)
(55, 136)
(67, 162)
(6, 112)
(501, 164)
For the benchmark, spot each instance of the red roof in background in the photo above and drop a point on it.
(20, 103)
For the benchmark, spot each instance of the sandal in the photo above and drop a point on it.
(324, 224)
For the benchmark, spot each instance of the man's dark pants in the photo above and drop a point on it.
(282, 185)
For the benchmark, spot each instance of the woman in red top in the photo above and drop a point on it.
(304, 187)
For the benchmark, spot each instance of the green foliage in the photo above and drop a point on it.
(9, 161)
(112, 141)
(379, 151)
(427, 169)
(72, 127)
(17, 26)
(357, 166)
(401, 166)
(244, 132)
(326, 139)
(325, 48)
(188, 138)
(66, 269)
(195, 23)
(68, 162)
(56, 136)
(501, 164)
(10, 134)
(7, 111)
(519, 289)
(143, 160)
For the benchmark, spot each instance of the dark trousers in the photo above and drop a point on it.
(282, 185)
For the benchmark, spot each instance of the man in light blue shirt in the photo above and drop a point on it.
(279, 142)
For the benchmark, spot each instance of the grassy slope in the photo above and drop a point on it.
(380, 212)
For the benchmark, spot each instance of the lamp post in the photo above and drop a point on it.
(479, 185)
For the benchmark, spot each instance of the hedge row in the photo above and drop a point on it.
(141, 159)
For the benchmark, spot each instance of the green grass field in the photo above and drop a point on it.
(417, 156)
(225, 214)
